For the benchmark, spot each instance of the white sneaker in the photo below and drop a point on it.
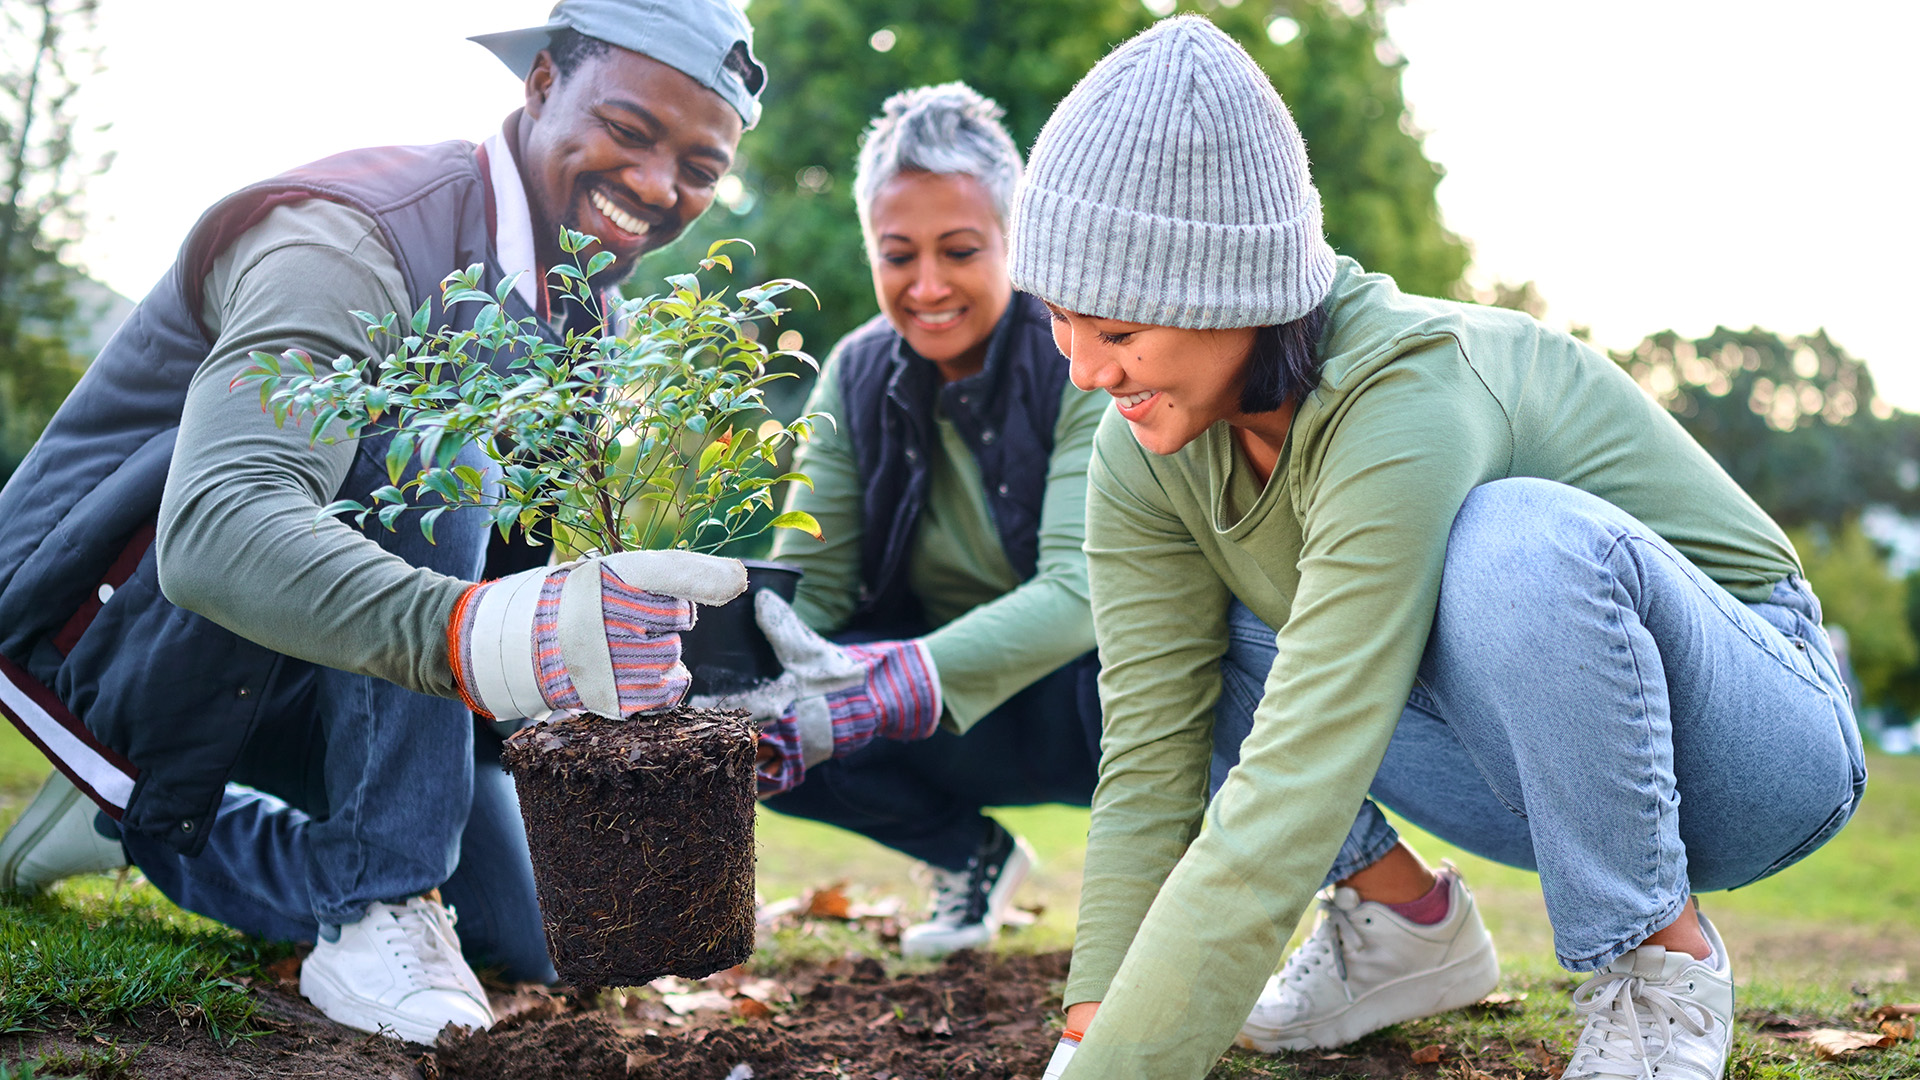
(54, 839)
(1365, 967)
(1655, 1013)
(398, 971)
(969, 904)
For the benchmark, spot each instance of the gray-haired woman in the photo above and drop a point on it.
(1515, 601)
(952, 496)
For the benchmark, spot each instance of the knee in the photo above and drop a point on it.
(1519, 550)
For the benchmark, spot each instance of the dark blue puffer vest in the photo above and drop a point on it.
(1005, 413)
(144, 704)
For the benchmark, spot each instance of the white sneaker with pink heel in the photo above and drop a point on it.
(1366, 966)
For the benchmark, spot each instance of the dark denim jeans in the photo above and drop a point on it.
(357, 791)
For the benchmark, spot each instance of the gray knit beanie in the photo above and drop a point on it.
(1171, 188)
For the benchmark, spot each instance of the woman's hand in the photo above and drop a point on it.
(831, 700)
(1078, 1017)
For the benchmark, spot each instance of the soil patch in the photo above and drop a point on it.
(975, 1016)
(641, 833)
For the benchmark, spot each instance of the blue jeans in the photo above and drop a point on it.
(361, 791)
(1593, 707)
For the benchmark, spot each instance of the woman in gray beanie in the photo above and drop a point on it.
(1514, 600)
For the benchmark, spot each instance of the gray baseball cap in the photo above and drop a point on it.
(695, 37)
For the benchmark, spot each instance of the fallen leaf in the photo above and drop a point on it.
(1541, 1056)
(1501, 998)
(829, 903)
(1429, 1055)
(884, 908)
(751, 1009)
(764, 990)
(879, 1022)
(1897, 1030)
(698, 1001)
(776, 911)
(284, 970)
(942, 1027)
(1833, 1043)
(1336, 1056)
(1894, 1012)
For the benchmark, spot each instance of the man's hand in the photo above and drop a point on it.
(597, 635)
(831, 700)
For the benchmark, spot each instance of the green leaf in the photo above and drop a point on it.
(797, 519)
(472, 479)
(600, 261)
(421, 317)
(426, 522)
(399, 452)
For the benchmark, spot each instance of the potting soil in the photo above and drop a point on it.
(641, 833)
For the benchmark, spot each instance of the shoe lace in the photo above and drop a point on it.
(420, 933)
(952, 895)
(1630, 1025)
(960, 896)
(1328, 943)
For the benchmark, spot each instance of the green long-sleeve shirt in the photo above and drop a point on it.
(993, 634)
(237, 539)
(1420, 401)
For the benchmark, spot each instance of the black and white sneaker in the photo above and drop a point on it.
(969, 904)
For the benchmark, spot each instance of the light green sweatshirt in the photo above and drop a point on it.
(1420, 401)
(994, 634)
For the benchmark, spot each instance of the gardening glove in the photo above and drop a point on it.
(831, 700)
(599, 634)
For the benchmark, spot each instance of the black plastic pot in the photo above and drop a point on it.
(725, 651)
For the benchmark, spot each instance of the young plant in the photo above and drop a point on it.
(647, 431)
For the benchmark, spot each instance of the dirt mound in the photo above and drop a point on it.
(975, 1016)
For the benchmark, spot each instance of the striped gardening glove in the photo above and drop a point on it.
(597, 635)
(831, 700)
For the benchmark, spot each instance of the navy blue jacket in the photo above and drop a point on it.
(1005, 413)
(146, 705)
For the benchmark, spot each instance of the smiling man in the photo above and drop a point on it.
(268, 712)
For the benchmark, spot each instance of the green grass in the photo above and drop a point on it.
(1813, 943)
(96, 951)
(90, 954)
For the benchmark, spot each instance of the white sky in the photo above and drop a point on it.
(1649, 163)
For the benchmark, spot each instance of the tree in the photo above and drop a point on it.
(1850, 576)
(1795, 421)
(40, 72)
(834, 61)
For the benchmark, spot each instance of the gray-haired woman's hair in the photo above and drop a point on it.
(950, 128)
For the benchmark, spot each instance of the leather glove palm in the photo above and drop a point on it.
(599, 634)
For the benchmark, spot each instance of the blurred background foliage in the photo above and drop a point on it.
(833, 62)
(1795, 420)
(45, 305)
